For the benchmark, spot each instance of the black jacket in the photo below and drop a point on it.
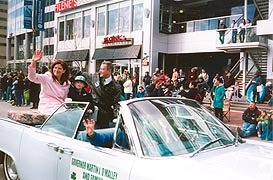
(251, 116)
(81, 96)
(106, 96)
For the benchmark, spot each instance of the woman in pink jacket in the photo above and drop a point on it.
(54, 84)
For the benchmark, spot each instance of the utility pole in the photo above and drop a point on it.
(34, 26)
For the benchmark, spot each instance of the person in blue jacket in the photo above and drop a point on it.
(218, 99)
(104, 137)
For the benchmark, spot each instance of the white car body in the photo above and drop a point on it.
(50, 155)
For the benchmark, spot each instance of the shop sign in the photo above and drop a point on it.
(118, 40)
(70, 4)
(65, 5)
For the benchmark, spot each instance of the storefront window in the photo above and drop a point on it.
(124, 12)
(118, 17)
(113, 17)
(86, 23)
(61, 29)
(73, 26)
(101, 21)
(137, 15)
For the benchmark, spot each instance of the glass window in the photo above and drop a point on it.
(124, 11)
(49, 32)
(101, 21)
(113, 17)
(48, 50)
(86, 24)
(73, 26)
(61, 31)
(137, 16)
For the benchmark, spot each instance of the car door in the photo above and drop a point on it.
(39, 155)
(81, 160)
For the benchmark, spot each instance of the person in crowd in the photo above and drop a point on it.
(34, 92)
(248, 30)
(146, 79)
(106, 92)
(193, 92)
(157, 72)
(203, 86)
(135, 83)
(218, 99)
(128, 87)
(154, 89)
(222, 30)
(119, 80)
(77, 92)
(204, 75)
(242, 27)
(193, 74)
(174, 76)
(4, 86)
(9, 85)
(249, 117)
(234, 31)
(26, 92)
(229, 82)
(262, 120)
(181, 79)
(236, 91)
(256, 81)
(141, 92)
(54, 84)
(124, 75)
(19, 89)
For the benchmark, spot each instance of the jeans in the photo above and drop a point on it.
(222, 36)
(234, 36)
(248, 129)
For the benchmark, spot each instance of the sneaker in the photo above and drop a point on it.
(259, 134)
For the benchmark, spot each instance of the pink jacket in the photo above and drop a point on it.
(52, 93)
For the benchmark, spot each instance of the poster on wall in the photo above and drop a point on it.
(28, 14)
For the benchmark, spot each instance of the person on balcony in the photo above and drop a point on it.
(222, 30)
(242, 27)
(234, 31)
(248, 30)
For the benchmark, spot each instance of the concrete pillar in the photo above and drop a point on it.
(8, 51)
(16, 50)
(26, 50)
(245, 62)
(245, 9)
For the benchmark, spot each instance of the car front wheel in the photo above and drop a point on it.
(10, 168)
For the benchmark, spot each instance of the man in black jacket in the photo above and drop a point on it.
(249, 116)
(106, 95)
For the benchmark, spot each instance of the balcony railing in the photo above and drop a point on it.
(239, 38)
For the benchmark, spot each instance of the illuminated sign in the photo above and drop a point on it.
(118, 40)
(65, 5)
(70, 4)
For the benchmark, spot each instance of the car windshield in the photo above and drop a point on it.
(170, 127)
(66, 119)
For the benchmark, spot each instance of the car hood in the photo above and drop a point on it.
(249, 161)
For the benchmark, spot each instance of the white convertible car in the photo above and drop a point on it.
(163, 138)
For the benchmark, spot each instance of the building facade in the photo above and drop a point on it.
(3, 32)
(20, 33)
(142, 35)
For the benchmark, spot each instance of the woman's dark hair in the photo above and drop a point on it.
(66, 73)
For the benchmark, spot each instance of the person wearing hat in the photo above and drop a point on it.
(77, 92)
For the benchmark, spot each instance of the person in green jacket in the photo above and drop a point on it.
(218, 99)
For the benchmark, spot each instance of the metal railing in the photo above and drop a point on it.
(238, 35)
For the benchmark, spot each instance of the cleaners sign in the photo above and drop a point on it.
(81, 169)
